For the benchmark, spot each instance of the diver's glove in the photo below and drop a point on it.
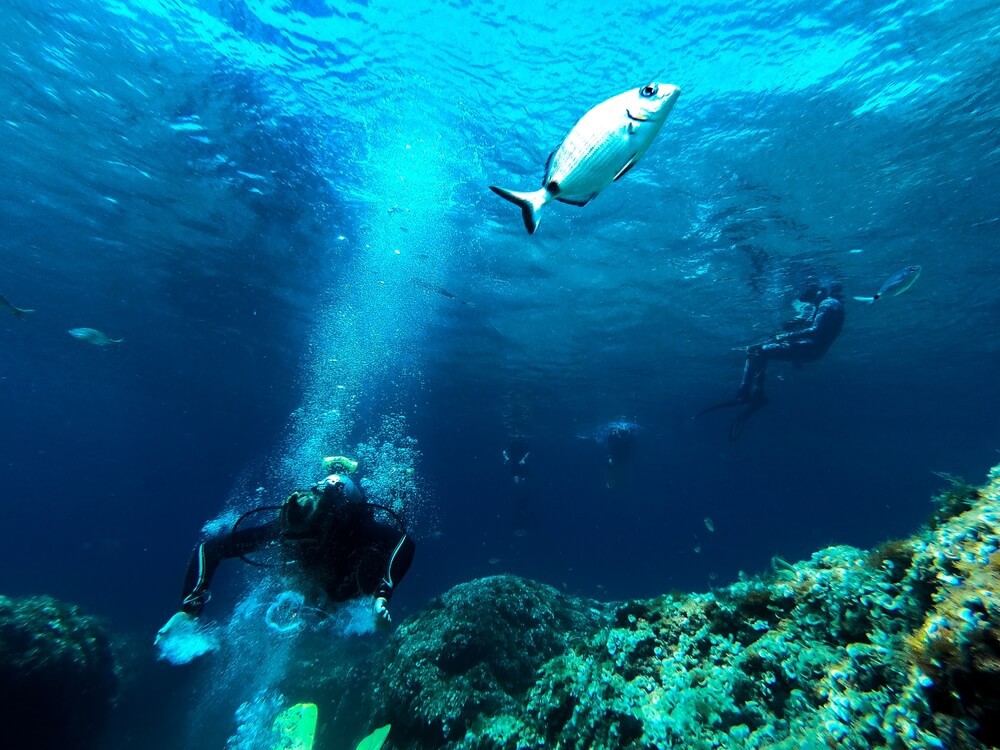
(180, 621)
(381, 610)
(180, 640)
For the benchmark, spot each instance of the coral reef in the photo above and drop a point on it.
(474, 653)
(897, 647)
(57, 674)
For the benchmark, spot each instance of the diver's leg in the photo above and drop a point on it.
(736, 428)
(752, 382)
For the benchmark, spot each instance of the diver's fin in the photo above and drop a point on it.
(869, 300)
(736, 428)
(531, 204)
(375, 740)
(723, 405)
(296, 727)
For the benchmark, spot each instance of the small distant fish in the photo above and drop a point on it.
(603, 145)
(896, 284)
(93, 336)
(709, 524)
(431, 288)
(18, 312)
(438, 290)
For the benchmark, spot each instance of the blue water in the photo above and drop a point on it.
(268, 200)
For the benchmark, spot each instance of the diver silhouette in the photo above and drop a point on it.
(330, 532)
(797, 346)
(620, 443)
(515, 460)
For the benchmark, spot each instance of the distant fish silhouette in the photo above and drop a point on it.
(896, 284)
(17, 311)
(427, 286)
(93, 336)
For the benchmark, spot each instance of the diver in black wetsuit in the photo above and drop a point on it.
(796, 346)
(329, 531)
(620, 442)
(515, 459)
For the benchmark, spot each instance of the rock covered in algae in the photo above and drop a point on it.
(896, 647)
(474, 653)
(57, 674)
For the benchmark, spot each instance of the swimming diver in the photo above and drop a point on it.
(329, 530)
(620, 442)
(515, 460)
(796, 346)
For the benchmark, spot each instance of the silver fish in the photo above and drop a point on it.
(603, 145)
(17, 311)
(93, 336)
(896, 284)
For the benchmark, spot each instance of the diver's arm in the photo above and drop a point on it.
(823, 310)
(206, 557)
(396, 567)
(803, 334)
(399, 562)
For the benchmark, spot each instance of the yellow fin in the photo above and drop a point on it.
(376, 739)
(296, 727)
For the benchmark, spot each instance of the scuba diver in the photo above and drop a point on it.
(515, 460)
(798, 346)
(329, 531)
(620, 442)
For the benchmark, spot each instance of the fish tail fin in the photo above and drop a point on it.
(20, 311)
(869, 300)
(116, 342)
(531, 204)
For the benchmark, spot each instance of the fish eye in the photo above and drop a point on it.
(649, 90)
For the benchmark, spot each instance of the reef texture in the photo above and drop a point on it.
(897, 647)
(57, 675)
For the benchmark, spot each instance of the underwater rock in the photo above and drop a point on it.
(474, 653)
(57, 675)
(896, 647)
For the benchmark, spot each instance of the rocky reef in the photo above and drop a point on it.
(895, 647)
(57, 674)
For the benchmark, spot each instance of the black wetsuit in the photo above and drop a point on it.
(805, 345)
(515, 458)
(354, 554)
(620, 441)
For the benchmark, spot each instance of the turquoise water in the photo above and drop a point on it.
(283, 209)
